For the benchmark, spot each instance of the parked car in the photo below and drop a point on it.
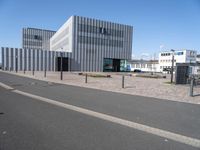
(137, 70)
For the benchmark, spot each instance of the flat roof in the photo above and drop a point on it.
(142, 60)
(103, 20)
(39, 29)
(177, 51)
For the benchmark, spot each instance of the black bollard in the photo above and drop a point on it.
(86, 78)
(123, 81)
(191, 87)
(45, 73)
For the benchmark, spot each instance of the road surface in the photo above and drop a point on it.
(29, 123)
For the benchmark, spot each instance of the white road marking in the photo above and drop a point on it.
(6, 86)
(155, 131)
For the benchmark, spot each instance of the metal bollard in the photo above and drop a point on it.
(191, 87)
(123, 81)
(16, 64)
(86, 78)
(24, 71)
(33, 72)
(45, 73)
(61, 66)
(61, 75)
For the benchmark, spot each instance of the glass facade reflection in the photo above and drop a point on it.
(108, 65)
(115, 65)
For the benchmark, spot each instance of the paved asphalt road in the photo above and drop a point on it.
(31, 124)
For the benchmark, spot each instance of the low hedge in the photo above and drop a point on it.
(150, 76)
(96, 75)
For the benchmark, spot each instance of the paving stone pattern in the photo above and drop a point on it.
(150, 87)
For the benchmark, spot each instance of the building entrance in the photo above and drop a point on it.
(113, 65)
(116, 65)
(64, 64)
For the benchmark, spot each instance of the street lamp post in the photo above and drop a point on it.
(172, 67)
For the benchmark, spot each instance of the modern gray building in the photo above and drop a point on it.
(83, 44)
(36, 38)
(94, 45)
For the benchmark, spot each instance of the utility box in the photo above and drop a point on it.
(184, 70)
(182, 74)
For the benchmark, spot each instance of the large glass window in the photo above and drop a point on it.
(108, 65)
(123, 65)
(115, 65)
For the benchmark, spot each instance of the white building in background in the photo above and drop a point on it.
(180, 56)
(198, 58)
(164, 62)
(144, 65)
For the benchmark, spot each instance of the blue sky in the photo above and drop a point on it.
(174, 24)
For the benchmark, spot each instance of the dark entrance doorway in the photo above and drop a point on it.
(116, 65)
(64, 64)
(111, 65)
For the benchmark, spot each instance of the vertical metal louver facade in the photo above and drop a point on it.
(92, 41)
(87, 44)
(36, 38)
(30, 59)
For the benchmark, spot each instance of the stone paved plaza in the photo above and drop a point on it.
(150, 87)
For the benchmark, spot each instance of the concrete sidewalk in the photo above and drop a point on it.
(158, 88)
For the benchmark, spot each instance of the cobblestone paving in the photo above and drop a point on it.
(157, 88)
